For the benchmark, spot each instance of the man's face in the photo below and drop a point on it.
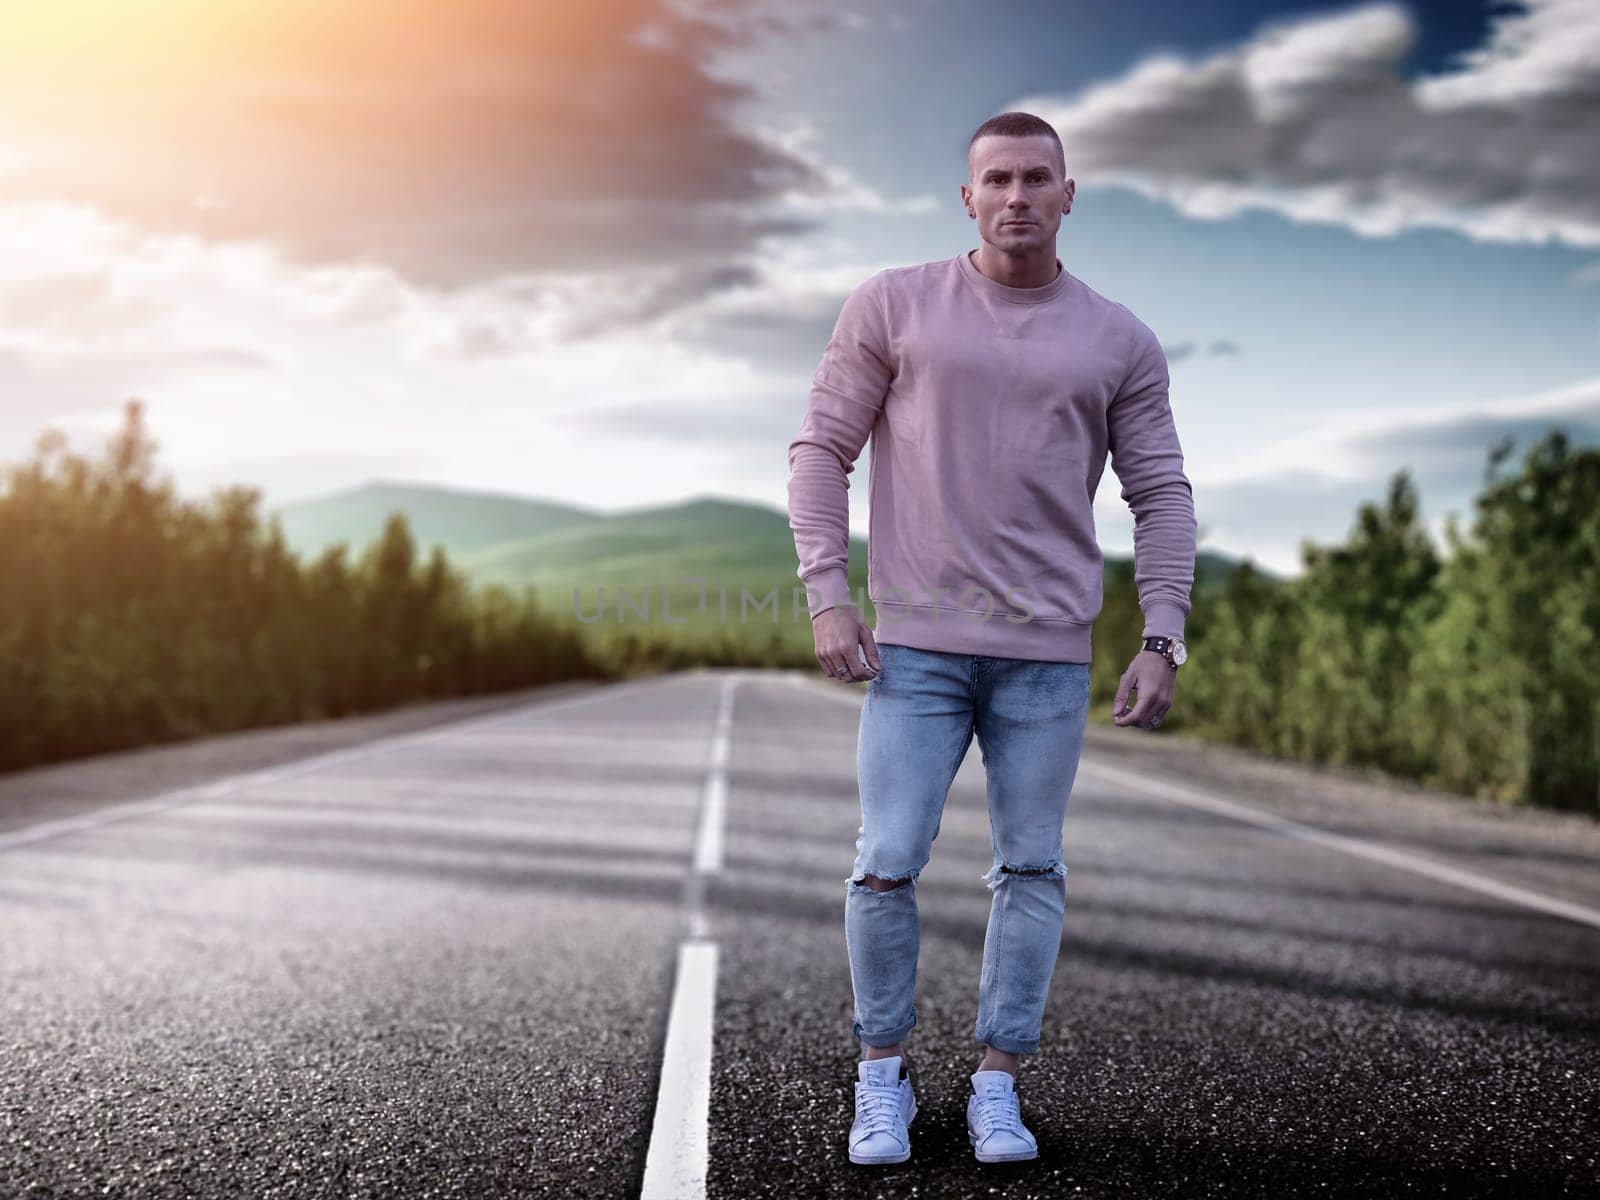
(1016, 189)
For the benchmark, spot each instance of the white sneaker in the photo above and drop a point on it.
(994, 1120)
(885, 1105)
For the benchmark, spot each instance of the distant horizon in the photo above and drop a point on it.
(859, 509)
(778, 513)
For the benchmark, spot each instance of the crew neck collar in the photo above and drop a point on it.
(1015, 295)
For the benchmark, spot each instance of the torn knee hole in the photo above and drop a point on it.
(1001, 871)
(881, 883)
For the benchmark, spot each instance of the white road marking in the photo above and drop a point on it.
(1404, 860)
(233, 784)
(678, 1159)
(680, 1141)
(679, 1153)
(714, 801)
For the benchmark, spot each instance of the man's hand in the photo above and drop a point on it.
(1152, 677)
(839, 633)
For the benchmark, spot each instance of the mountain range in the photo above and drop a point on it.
(556, 548)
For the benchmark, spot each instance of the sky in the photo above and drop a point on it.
(592, 252)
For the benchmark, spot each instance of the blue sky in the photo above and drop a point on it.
(596, 259)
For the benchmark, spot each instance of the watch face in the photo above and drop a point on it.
(1180, 653)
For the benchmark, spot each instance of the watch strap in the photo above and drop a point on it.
(1162, 645)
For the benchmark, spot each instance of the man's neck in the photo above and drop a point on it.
(1034, 270)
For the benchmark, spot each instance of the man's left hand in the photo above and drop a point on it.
(1152, 677)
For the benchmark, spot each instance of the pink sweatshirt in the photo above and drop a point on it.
(991, 410)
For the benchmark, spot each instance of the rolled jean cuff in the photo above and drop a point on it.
(1006, 1043)
(892, 1038)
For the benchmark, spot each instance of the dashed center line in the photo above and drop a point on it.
(680, 1143)
(714, 801)
(677, 1161)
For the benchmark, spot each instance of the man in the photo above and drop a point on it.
(994, 385)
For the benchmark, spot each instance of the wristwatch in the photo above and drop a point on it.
(1170, 648)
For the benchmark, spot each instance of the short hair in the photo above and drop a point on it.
(1018, 124)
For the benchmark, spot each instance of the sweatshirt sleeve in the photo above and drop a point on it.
(847, 395)
(1148, 460)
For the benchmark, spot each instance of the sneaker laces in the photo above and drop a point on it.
(1003, 1111)
(878, 1107)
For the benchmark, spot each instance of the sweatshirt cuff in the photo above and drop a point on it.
(827, 588)
(1164, 618)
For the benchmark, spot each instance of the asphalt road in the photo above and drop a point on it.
(443, 962)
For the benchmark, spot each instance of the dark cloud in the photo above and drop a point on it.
(453, 140)
(633, 305)
(1453, 455)
(1177, 352)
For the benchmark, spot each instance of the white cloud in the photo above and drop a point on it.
(259, 370)
(1362, 445)
(1311, 486)
(1313, 119)
(351, 294)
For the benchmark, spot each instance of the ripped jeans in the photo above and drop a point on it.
(919, 717)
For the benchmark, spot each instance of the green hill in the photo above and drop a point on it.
(458, 519)
(609, 572)
(621, 569)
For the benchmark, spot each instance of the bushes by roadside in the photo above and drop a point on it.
(129, 615)
(1473, 671)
